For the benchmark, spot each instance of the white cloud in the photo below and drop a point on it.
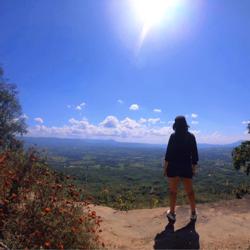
(38, 119)
(246, 132)
(157, 110)
(130, 123)
(82, 124)
(245, 122)
(142, 120)
(154, 120)
(149, 120)
(193, 115)
(218, 138)
(110, 122)
(80, 106)
(24, 116)
(120, 101)
(196, 132)
(195, 122)
(110, 128)
(163, 131)
(134, 107)
(127, 130)
(21, 117)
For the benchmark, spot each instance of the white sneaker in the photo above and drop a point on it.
(193, 215)
(171, 216)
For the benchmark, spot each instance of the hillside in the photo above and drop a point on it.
(221, 225)
(48, 142)
(113, 171)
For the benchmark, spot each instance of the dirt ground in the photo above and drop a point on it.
(221, 225)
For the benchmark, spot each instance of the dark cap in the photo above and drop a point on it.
(180, 123)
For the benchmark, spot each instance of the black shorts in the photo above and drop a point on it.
(180, 171)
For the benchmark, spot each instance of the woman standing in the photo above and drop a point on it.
(180, 164)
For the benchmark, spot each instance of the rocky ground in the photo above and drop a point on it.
(221, 225)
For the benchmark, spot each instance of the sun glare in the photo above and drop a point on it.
(154, 13)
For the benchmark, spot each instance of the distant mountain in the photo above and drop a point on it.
(230, 145)
(52, 142)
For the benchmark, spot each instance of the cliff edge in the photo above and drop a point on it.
(221, 225)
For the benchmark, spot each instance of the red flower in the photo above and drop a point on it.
(81, 220)
(47, 243)
(13, 196)
(2, 158)
(58, 186)
(47, 210)
(60, 246)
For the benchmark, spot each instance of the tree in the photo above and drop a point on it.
(39, 208)
(241, 155)
(12, 121)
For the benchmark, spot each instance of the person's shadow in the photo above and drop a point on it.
(183, 238)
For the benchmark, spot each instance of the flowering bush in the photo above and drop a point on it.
(40, 208)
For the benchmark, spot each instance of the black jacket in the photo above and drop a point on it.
(182, 149)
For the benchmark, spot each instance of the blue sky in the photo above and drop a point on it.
(62, 54)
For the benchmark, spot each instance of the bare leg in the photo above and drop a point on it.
(188, 185)
(173, 185)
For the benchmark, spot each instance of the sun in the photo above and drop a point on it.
(154, 13)
(150, 11)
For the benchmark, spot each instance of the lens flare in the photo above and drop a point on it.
(154, 12)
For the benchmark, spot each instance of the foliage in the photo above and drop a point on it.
(40, 208)
(12, 122)
(241, 190)
(241, 157)
(128, 177)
